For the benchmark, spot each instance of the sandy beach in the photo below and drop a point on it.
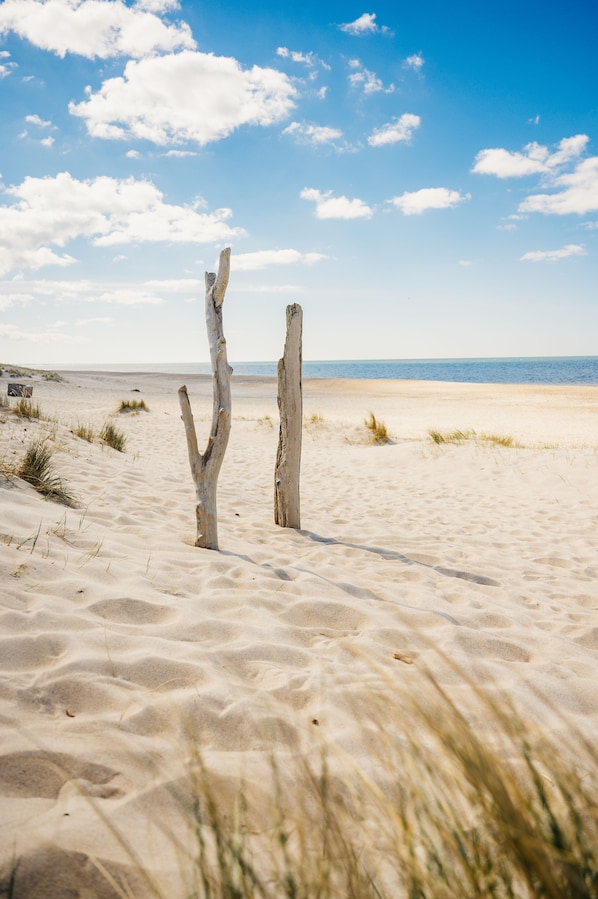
(118, 637)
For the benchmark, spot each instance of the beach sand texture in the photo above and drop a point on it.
(118, 635)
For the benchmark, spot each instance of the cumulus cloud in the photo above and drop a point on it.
(47, 141)
(94, 28)
(576, 192)
(185, 97)
(366, 80)
(330, 207)
(400, 129)
(364, 24)
(296, 56)
(571, 249)
(418, 201)
(50, 212)
(535, 158)
(246, 262)
(313, 134)
(415, 62)
(36, 120)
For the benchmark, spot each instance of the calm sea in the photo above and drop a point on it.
(532, 370)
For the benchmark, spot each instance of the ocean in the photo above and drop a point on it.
(516, 370)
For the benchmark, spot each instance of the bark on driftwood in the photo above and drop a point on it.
(290, 405)
(206, 468)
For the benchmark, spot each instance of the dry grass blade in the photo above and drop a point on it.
(377, 429)
(133, 406)
(113, 437)
(36, 469)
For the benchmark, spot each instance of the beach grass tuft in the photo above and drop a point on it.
(111, 436)
(25, 408)
(85, 432)
(36, 469)
(132, 406)
(456, 436)
(378, 430)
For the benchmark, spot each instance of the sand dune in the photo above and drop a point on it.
(117, 634)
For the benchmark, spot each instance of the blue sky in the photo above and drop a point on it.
(421, 178)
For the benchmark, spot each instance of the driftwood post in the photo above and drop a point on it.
(290, 405)
(206, 468)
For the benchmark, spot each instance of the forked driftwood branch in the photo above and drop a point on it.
(290, 404)
(206, 468)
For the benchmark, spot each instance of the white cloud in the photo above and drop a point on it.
(415, 62)
(176, 285)
(126, 296)
(418, 201)
(331, 207)
(249, 262)
(571, 249)
(400, 129)
(313, 134)
(52, 335)
(307, 59)
(535, 158)
(35, 120)
(94, 28)
(133, 154)
(50, 212)
(578, 193)
(368, 81)
(365, 24)
(186, 97)
(47, 141)
(180, 154)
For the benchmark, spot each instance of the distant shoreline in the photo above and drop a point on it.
(549, 370)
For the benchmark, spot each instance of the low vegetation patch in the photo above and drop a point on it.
(377, 429)
(17, 371)
(37, 470)
(85, 432)
(113, 437)
(133, 406)
(458, 436)
(25, 408)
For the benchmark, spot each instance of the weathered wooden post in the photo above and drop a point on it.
(206, 468)
(290, 405)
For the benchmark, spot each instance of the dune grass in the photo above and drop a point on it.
(459, 436)
(378, 430)
(36, 469)
(84, 432)
(111, 436)
(456, 803)
(132, 406)
(25, 408)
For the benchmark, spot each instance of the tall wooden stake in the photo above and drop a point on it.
(206, 468)
(290, 405)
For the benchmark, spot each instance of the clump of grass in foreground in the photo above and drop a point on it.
(455, 803)
(133, 406)
(25, 408)
(113, 437)
(447, 814)
(36, 469)
(377, 429)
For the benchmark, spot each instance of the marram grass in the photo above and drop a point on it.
(36, 469)
(378, 430)
(455, 804)
(111, 436)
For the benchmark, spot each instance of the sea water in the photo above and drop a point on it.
(516, 370)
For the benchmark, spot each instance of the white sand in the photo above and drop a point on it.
(117, 633)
